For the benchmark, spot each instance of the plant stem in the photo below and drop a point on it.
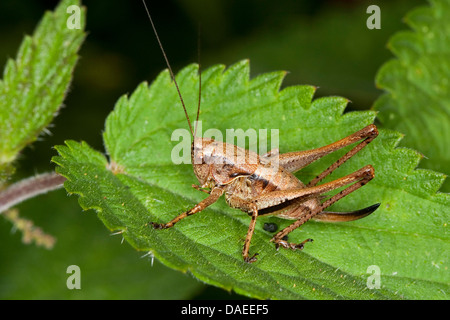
(29, 188)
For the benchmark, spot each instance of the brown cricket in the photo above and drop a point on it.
(266, 184)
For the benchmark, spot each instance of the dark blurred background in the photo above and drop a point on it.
(324, 43)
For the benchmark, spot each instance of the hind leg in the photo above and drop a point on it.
(358, 178)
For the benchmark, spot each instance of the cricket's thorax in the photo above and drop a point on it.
(217, 163)
(246, 175)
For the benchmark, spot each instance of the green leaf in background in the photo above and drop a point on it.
(417, 99)
(301, 43)
(34, 85)
(405, 238)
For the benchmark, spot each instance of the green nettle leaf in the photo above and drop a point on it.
(398, 252)
(34, 85)
(417, 102)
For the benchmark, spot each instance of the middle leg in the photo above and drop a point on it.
(248, 238)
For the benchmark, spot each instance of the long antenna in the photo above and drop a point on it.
(168, 66)
(199, 81)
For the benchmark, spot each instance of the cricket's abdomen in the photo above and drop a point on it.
(292, 209)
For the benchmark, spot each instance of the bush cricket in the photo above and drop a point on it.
(266, 184)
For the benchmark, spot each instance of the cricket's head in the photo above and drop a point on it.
(201, 152)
